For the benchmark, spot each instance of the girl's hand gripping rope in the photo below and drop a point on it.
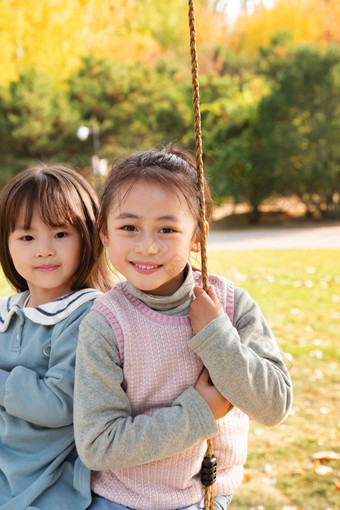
(204, 309)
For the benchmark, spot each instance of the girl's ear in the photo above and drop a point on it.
(196, 241)
(104, 236)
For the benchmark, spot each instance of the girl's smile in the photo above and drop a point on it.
(149, 237)
(144, 268)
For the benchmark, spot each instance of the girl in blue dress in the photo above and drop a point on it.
(51, 253)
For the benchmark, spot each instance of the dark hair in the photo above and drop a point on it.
(62, 196)
(171, 167)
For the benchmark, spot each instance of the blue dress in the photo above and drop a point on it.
(39, 465)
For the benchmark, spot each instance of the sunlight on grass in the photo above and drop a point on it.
(299, 294)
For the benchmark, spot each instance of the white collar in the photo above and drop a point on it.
(48, 314)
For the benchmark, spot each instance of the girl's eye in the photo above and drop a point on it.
(27, 238)
(60, 235)
(167, 230)
(129, 228)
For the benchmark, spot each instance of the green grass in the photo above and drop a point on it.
(299, 293)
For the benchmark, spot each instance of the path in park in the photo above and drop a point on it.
(276, 238)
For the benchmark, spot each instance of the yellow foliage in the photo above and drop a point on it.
(211, 29)
(308, 21)
(42, 33)
(52, 35)
(110, 30)
(134, 30)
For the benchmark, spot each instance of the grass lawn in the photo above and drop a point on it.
(299, 293)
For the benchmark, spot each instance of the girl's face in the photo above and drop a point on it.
(46, 257)
(149, 237)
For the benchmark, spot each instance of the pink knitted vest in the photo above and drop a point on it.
(158, 366)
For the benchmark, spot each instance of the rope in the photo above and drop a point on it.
(198, 139)
(208, 496)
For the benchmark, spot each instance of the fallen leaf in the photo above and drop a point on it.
(318, 373)
(269, 481)
(316, 354)
(246, 477)
(323, 470)
(326, 455)
(267, 468)
(324, 410)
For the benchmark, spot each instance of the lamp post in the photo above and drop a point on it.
(99, 166)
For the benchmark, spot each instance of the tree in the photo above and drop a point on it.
(316, 21)
(133, 106)
(35, 122)
(236, 160)
(44, 34)
(54, 35)
(304, 111)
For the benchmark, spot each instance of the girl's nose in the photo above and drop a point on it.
(147, 246)
(44, 250)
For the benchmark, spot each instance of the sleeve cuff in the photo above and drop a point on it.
(197, 407)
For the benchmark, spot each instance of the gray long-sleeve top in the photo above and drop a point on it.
(243, 360)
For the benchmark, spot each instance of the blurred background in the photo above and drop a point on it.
(87, 81)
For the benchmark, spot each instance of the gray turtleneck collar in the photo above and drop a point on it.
(177, 304)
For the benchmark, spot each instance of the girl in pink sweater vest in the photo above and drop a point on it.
(150, 347)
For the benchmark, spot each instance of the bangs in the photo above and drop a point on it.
(182, 185)
(53, 200)
(125, 179)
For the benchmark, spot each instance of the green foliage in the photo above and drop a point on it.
(238, 162)
(301, 118)
(270, 126)
(164, 21)
(35, 122)
(276, 131)
(134, 106)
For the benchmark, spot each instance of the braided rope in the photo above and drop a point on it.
(208, 497)
(198, 139)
